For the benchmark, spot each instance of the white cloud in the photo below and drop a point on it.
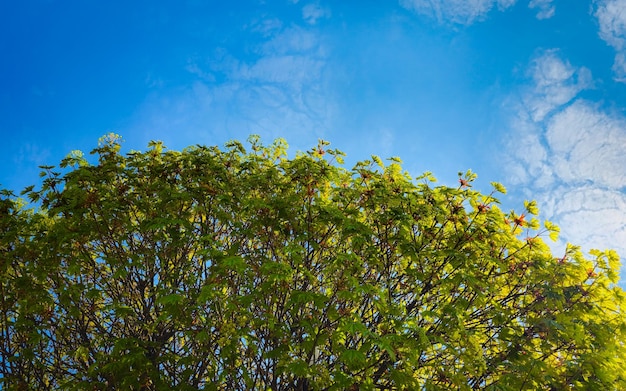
(32, 154)
(545, 8)
(469, 11)
(569, 155)
(587, 146)
(456, 11)
(619, 67)
(588, 216)
(267, 26)
(556, 82)
(192, 67)
(530, 154)
(611, 15)
(293, 40)
(311, 13)
(282, 88)
(292, 71)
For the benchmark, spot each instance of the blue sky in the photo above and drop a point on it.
(528, 93)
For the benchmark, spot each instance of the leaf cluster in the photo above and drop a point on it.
(224, 269)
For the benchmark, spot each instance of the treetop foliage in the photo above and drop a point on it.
(242, 269)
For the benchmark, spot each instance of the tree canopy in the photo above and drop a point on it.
(242, 269)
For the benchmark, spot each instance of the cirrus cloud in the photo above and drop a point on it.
(456, 11)
(545, 8)
(556, 82)
(280, 86)
(568, 154)
(611, 15)
(466, 12)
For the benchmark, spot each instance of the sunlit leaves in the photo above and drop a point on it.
(498, 187)
(241, 268)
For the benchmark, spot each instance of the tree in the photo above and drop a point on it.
(234, 270)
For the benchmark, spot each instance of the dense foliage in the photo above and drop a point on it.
(235, 270)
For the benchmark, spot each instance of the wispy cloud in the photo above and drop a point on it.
(278, 86)
(456, 11)
(589, 216)
(24, 162)
(466, 12)
(611, 15)
(587, 146)
(556, 82)
(32, 154)
(545, 8)
(568, 153)
(311, 13)
(266, 26)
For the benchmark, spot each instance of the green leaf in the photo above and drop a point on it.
(531, 207)
(553, 230)
(170, 299)
(353, 359)
(81, 354)
(27, 189)
(254, 270)
(123, 311)
(378, 161)
(498, 187)
(235, 263)
(298, 368)
(385, 345)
